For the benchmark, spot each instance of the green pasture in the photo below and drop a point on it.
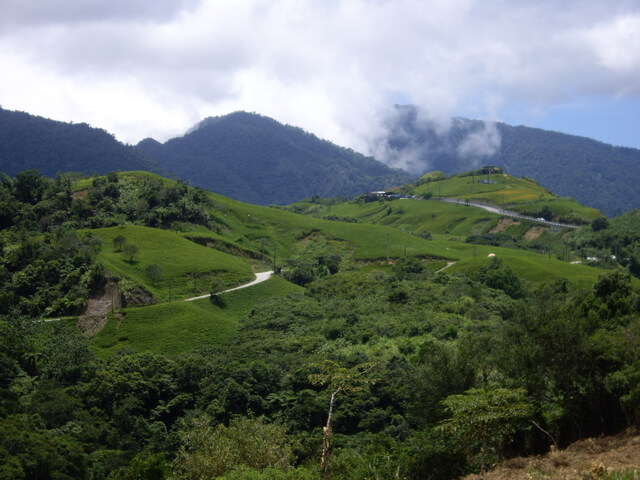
(531, 267)
(511, 192)
(178, 327)
(416, 216)
(187, 267)
(514, 189)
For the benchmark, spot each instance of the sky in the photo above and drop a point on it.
(336, 68)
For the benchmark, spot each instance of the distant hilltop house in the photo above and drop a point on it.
(374, 196)
(490, 170)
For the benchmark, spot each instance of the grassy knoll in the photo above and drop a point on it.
(513, 193)
(177, 327)
(178, 258)
(531, 267)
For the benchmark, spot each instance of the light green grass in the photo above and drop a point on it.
(417, 216)
(178, 258)
(178, 327)
(511, 192)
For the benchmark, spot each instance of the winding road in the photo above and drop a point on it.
(260, 277)
(507, 213)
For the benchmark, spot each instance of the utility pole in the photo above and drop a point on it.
(275, 251)
(388, 245)
(195, 278)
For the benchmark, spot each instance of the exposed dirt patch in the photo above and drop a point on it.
(80, 194)
(100, 304)
(534, 232)
(586, 459)
(503, 224)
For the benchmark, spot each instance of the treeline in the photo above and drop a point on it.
(431, 375)
(611, 243)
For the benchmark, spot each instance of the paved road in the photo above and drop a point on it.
(260, 277)
(508, 213)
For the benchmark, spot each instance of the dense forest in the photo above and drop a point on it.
(258, 160)
(369, 372)
(594, 173)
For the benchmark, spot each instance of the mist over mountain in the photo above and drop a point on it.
(594, 173)
(258, 160)
(50, 146)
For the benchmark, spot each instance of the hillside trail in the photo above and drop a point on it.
(260, 277)
(445, 267)
(95, 316)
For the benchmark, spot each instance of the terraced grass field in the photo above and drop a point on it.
(510, 192)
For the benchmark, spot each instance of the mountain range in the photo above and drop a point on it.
(256, 159)
(596, 174)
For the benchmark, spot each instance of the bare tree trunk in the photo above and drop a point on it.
(327, 438)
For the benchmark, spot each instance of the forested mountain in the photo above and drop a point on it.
(259, 160)
(594, 173)
(50, 146)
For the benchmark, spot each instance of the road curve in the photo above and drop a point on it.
(507, 213)
(260, 277)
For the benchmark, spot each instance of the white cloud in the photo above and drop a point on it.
(139, 68)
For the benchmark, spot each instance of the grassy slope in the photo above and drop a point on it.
(512, 192)
(176, 256)
(174, 328)
(180, 326)
(251, 228)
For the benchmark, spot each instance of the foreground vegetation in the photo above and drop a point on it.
(362, 352)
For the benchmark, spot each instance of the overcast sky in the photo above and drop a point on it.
(139, 68)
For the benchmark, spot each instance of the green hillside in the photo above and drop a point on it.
(183, 264)
(509, 192)
(179, 327)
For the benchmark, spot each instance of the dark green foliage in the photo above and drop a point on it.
(258, 160)
(27, 141)
(599, 224)
(500, 276)
(130, 251)
(613, 243)
(118, 242)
